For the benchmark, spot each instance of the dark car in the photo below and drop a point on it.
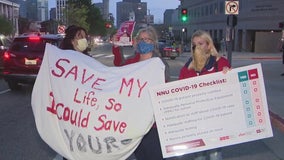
(21, 62)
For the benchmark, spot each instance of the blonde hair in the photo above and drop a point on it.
(206, 36)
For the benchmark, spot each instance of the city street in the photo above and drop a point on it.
(20, 140)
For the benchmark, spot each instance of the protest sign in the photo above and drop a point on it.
(124, 34)
(86, 110)
(211, 111)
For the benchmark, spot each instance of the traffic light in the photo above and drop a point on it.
(108, 25)
(184, 15)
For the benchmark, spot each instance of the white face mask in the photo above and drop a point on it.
(82, 44)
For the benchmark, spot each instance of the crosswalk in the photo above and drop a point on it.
(105, 55)
(102, 55)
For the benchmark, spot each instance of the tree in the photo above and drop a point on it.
(87, 15)
(23, 25)
(77, 15)
(49, 26)
(97, 23)
(6, 26)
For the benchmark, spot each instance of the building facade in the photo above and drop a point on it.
(257, 28)
(132, 10)
(34, 10)
(10, 10)
(42, 10)
(60, 7)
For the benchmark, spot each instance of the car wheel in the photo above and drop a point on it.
(14, 86)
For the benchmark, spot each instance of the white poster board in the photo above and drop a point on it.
(86, 110)
(211, 111)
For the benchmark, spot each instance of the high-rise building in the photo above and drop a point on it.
(126, 8)
(34, 10)
(60, 6)
(10, 10)
(52, 13)
(257, 22)
(105, 12)
(42, 10)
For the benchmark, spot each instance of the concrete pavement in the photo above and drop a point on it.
(270, 148)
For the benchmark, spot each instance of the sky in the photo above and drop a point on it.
(156, 7)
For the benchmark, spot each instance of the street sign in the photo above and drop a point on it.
(232, 7)
(61, 29)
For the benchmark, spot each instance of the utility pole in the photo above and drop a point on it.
(231, 9)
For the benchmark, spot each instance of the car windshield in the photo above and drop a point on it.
(22, 45)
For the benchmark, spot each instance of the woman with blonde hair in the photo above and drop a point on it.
(205, 58)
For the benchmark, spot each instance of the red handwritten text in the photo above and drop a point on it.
(130, 84)
(107, 125)
(113, 105)
(88, 98)
(67, 114)
(65, 71)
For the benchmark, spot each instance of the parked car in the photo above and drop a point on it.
(170, 51)
(167, 49)
(21, 62)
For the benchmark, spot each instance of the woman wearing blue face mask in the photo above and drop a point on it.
(146, 47)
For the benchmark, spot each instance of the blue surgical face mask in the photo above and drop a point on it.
(143, 47)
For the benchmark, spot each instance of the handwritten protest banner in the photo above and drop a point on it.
(211, 111)
(86, 110)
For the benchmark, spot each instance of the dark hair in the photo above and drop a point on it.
(70, 34)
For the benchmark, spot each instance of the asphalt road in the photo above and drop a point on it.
(20, 141)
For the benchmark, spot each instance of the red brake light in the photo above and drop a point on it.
(6, 56)
(34, 38)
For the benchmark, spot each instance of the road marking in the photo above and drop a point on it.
(106, 56)
(5, 91)
(109, 56)
(97, 55)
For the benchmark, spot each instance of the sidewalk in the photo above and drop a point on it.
(276, 143)
(251, 55)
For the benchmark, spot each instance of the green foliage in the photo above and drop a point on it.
(77, 15)
(85, 14)
(81, 13)
(50, 26)
(97, 23)
(6, 26)
(23, 25)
